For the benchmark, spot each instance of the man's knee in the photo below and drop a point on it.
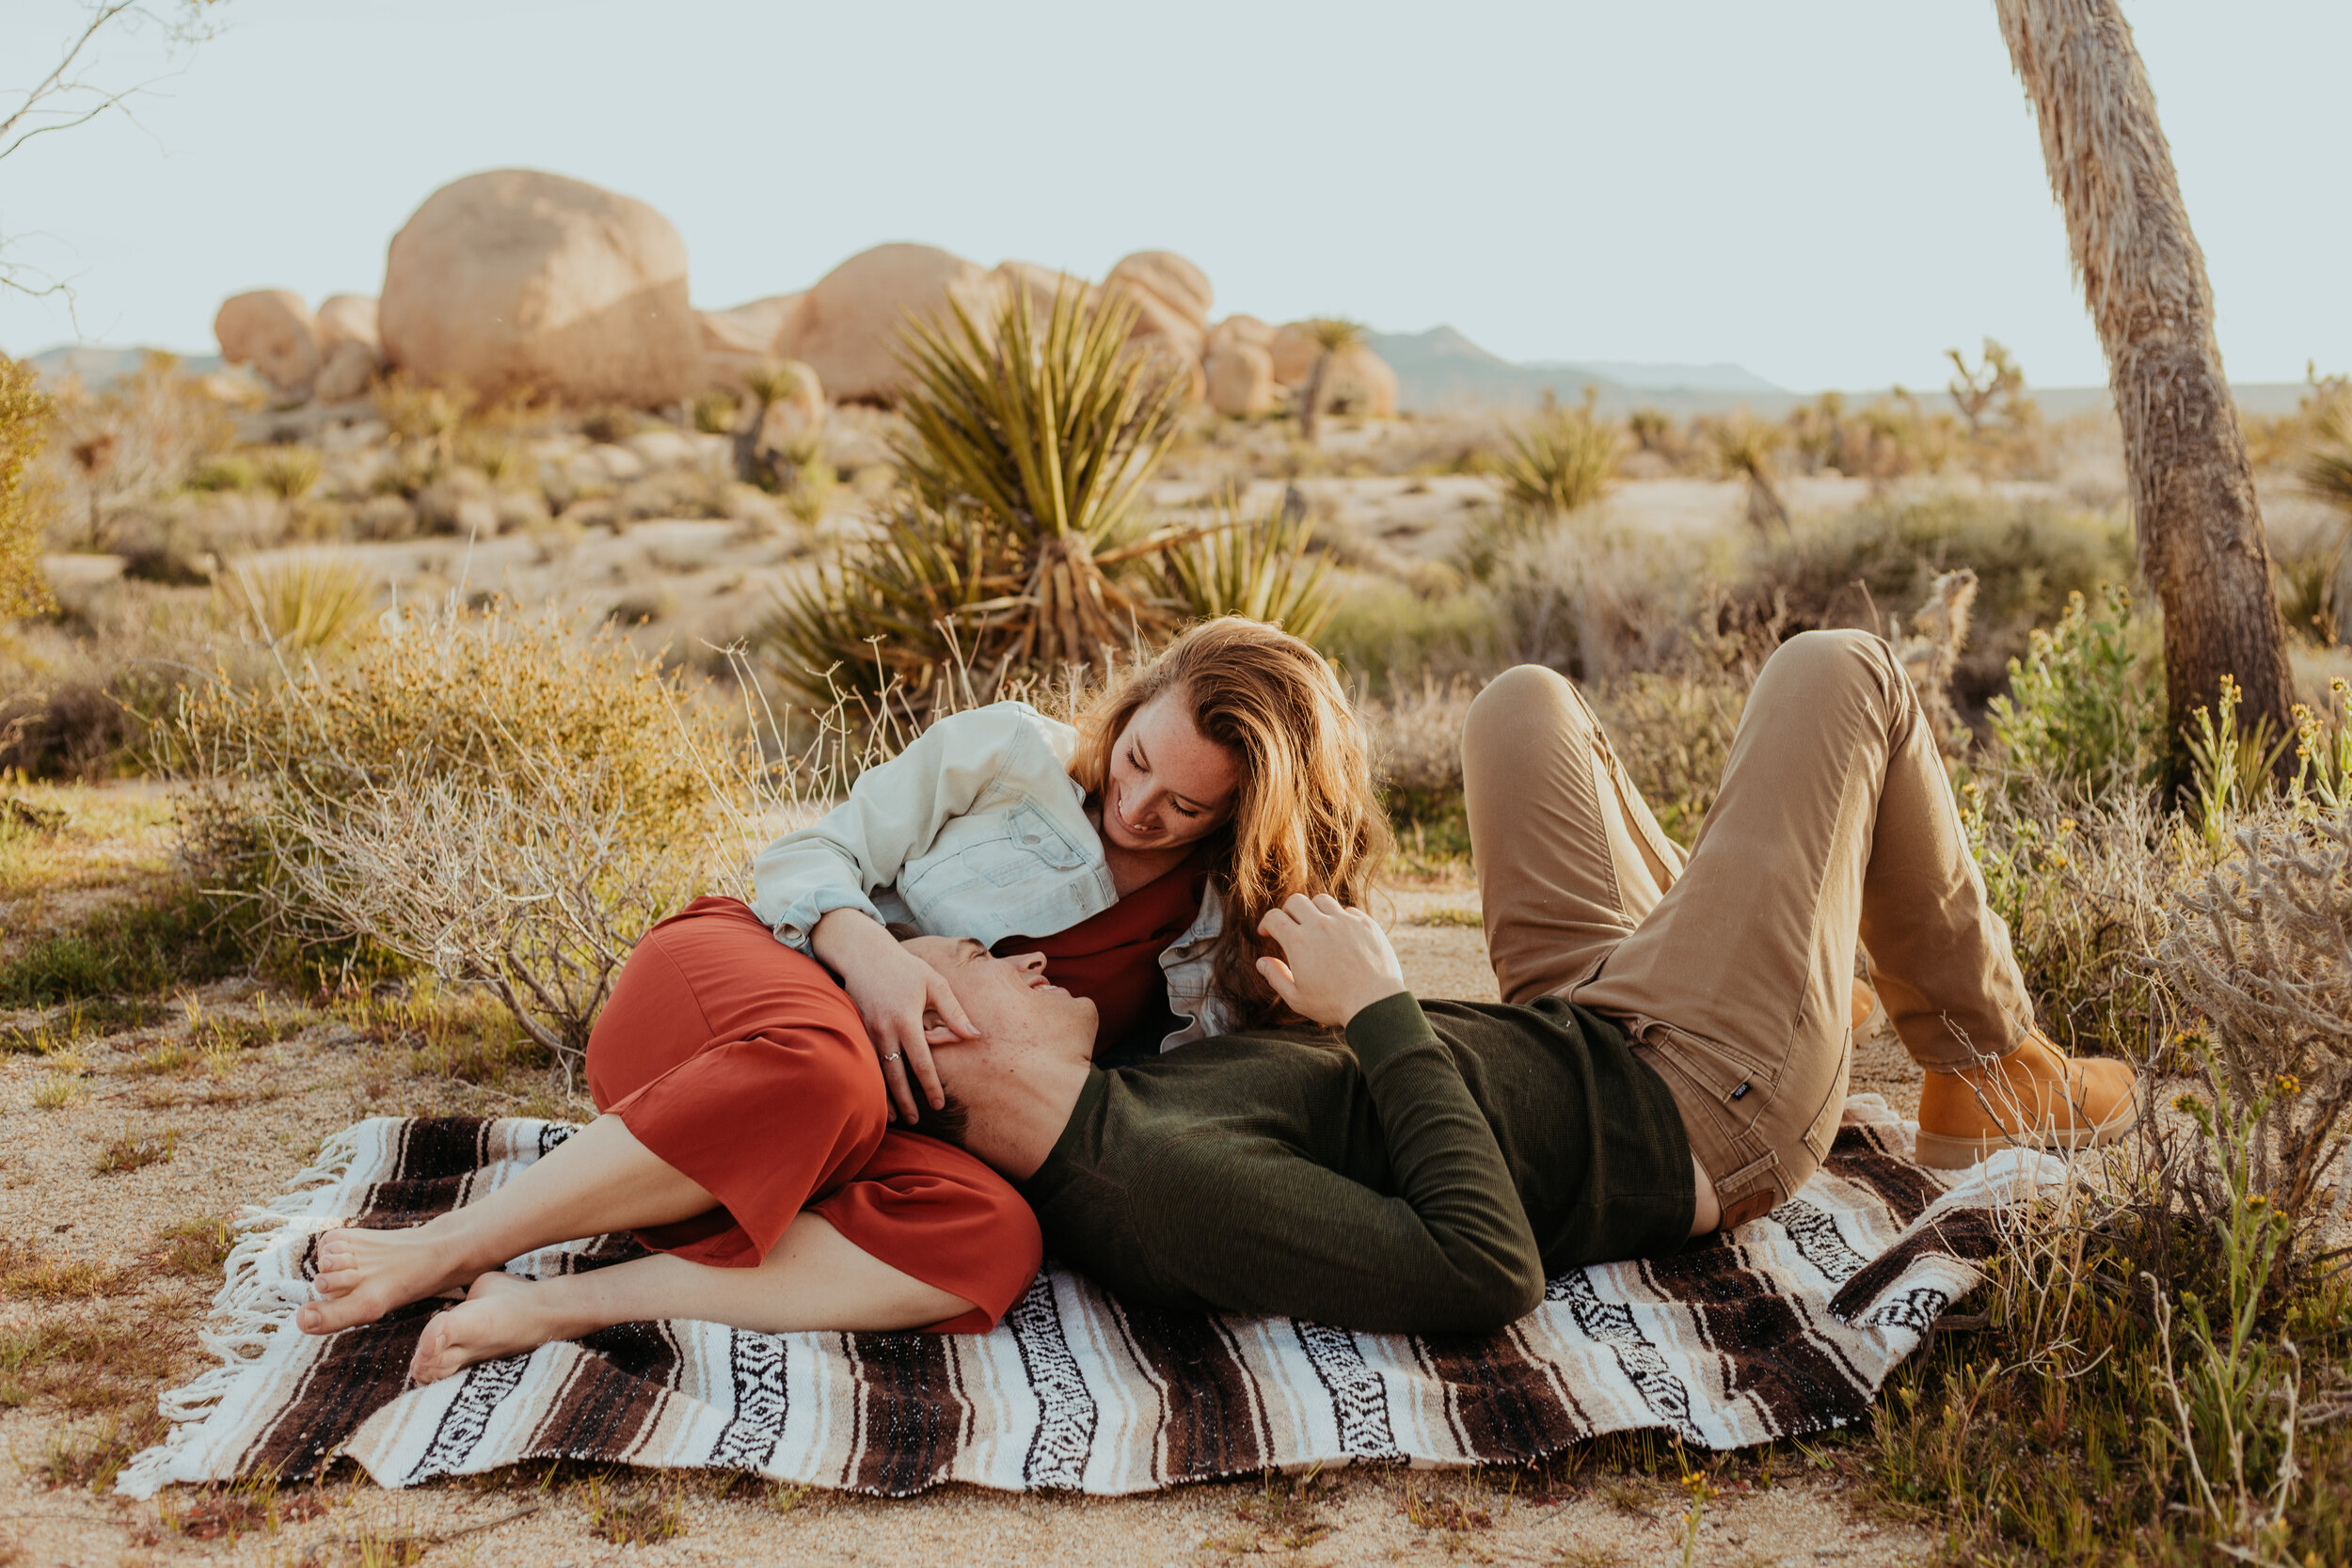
(1524, 701)
(1826, 664)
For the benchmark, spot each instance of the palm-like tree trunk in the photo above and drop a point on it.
(2143, 278)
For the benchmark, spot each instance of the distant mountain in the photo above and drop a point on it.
(1677, 378)
(100, 367)
(1442, 369)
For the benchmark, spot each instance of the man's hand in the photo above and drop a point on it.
(1339, 960)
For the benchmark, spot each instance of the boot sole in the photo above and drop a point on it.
(1938, 1152)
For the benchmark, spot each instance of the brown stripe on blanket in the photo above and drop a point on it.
(352, 1375)
(1906, 1189)
(605, 1409)
(1771, 1355)
(1210, 1422)
(909, 1412)
(1968, 1235)
(1500, 1404)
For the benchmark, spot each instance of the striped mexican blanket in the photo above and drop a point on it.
(1787, 1325)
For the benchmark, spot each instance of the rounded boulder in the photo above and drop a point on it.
(847, 327)
(518, 281)
(273, 332)
(1240, 379)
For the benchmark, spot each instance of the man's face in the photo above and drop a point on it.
(1008, 999)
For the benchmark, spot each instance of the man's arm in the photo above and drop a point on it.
(1451, 1250)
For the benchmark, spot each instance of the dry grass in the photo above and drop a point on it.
(136, 1149)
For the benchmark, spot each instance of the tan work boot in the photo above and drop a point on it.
(2033, 1098)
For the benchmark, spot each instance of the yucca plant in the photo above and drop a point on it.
(308, 603)
(1559, 461)
(1257, 566)
(1022, 543)
(1744, 448)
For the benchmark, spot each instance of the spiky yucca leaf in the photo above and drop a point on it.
(1561, 460)
(1258, 567)
(1054, 432)
(1023, 546)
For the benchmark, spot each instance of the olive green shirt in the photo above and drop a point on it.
(1427, 1179)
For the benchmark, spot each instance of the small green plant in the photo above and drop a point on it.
(2231, 767)
(136, 1149)
(2082, 711)
(309, 603)
(58, 1091)
(633, 1516)
(2233, 1405)
(1286, 1511)
(195, 1249)
(290, 473)
(229, 472)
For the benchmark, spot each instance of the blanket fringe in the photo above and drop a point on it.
(252, 1304)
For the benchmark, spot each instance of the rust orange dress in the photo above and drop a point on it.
(740, 1063)
(1113, 959)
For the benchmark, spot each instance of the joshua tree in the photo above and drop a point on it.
(1334, 338)
(2143, 278)
(1743, 450)
(1995, 382)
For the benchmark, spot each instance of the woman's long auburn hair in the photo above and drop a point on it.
(1306, 816)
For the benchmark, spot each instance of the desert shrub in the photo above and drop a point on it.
(497, 800)
(1254, 566)
(1388, 635)
(2028, 557)
(24, 412)
(178, 939)
(2084, 712)
(140, 439)
(1672, 732)
(1561, 460)
(1023, 546)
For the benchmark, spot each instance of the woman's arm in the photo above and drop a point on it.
(894, 812)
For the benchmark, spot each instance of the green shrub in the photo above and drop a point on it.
(497, 799)
(1385, 634)
(134, 949)
(2029, 556)
(2085, 707)
(1561, 460)
(24, 428)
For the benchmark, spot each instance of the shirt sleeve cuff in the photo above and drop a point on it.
(1390, 1025)
(796, 923)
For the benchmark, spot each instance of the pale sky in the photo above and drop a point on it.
(1828, 193)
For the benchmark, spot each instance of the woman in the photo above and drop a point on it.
(743, 1134)
(1138, 850)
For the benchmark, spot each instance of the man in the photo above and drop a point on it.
(1672, 1054)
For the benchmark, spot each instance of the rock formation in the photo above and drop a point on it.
(748, 338)
(273, 332)
(520, 281)
(350, 351)
(847, 326)
(1240, 379)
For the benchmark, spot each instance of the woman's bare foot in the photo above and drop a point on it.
(363, 1275)
(498, 1318)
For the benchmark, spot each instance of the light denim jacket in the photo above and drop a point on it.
(975, 830)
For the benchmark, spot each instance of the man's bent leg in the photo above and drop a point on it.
(1569, 859)
(1835, 821)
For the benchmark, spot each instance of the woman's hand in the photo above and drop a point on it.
(894, 991)
(1339, 960)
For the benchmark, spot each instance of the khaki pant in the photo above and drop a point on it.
(1731, 968)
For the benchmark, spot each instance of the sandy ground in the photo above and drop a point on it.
(241, 1121)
